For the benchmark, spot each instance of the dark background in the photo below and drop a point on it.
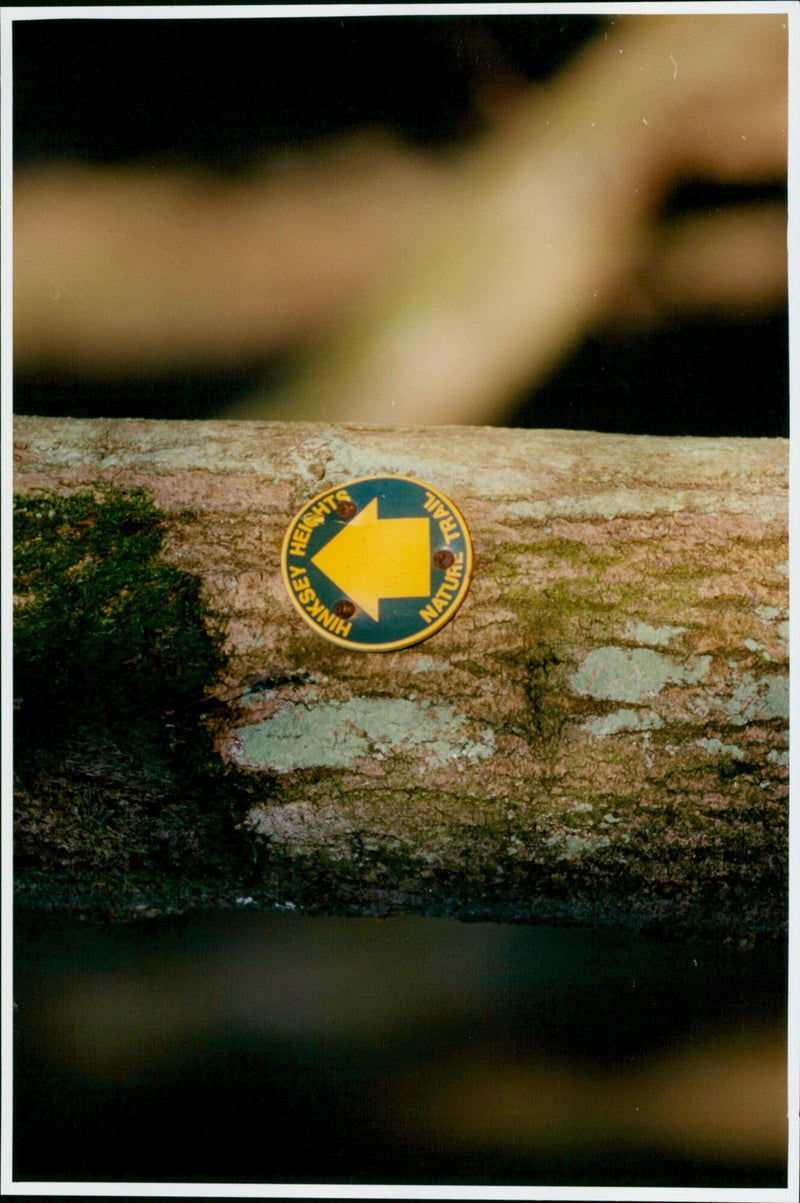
(220, 92)
(244, 1093)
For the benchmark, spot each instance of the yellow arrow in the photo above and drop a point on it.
(373, 558)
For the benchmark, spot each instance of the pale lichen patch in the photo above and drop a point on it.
(718, 748)
(767, 698)
(574, 845)
(337, 734)
(427, 664)
(628, 675)
(642, 632)
(623, 720)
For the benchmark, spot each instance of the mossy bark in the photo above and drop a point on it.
(600, 733)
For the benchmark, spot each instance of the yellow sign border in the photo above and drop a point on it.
(425, 632)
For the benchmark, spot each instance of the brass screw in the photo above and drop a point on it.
(344, 608)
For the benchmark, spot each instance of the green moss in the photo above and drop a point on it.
(565, 598)
(107, 636)
(119, 787)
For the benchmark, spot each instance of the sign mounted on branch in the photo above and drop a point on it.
(378, 563)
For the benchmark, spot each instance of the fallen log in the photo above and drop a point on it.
(600, 733)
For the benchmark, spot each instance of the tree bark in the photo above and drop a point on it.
(601, 732)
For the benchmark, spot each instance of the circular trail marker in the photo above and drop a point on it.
(377, 563)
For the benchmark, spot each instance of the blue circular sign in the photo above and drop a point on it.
(377, 563)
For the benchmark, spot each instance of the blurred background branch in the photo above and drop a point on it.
(534, 220)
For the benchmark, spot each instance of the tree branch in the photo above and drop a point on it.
(600, 733)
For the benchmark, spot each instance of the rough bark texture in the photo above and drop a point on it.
(600, 733)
